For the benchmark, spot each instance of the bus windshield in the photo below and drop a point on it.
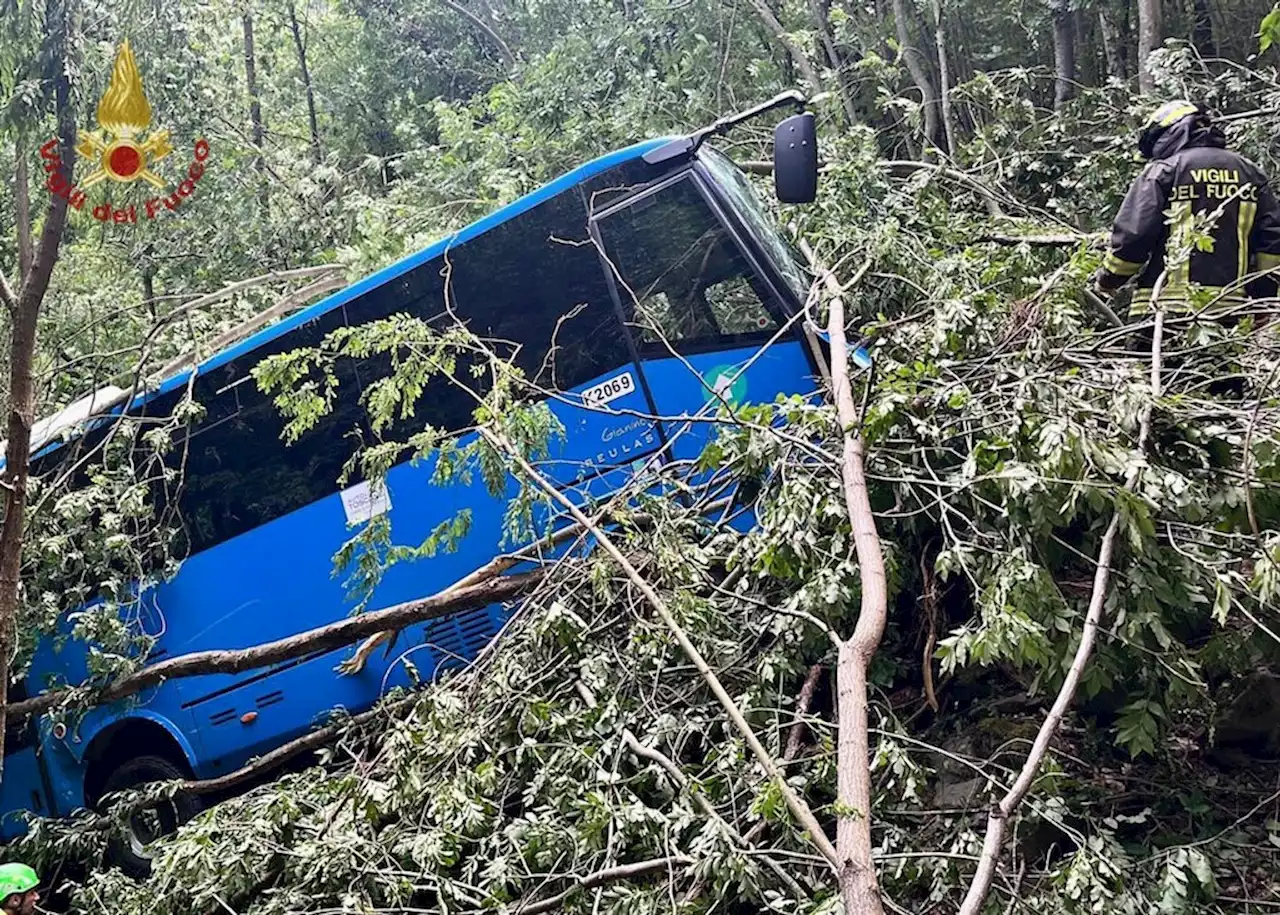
(750, 209)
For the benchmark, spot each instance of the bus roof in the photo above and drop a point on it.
(386, 274)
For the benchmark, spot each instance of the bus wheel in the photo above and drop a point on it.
(132, 854)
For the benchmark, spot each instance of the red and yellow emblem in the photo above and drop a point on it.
(119, 146)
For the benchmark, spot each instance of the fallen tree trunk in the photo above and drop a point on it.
(324, 638)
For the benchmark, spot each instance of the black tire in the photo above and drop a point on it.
(130, 853)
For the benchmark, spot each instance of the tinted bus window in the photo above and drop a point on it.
(534, 289)
(685, 274)
(533, 286)
(622, 180)
(536, 282)
(240, 474)
(236, 471)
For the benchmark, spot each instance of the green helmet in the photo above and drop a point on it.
(16, 878)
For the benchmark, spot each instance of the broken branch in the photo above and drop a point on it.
(665, 763)
(321, 639)
(796, 804)
(600, 878)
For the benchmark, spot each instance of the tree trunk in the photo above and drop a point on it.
(796, 53)
(859, 889)
(1088, 73)
(1150, 35)
(824, 34)
(306, 83)
(833, 58)
(1202, 28)
(917, 66)
(944, 78)
(255, 108)
(858, 886)
(22, 208)
(1064, 54)
(1113, 46)
(24, 309)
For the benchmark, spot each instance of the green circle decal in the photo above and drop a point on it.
(721, 380)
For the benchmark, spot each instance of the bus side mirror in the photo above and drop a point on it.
(795, 159)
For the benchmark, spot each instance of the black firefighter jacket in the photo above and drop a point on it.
(1193, 173)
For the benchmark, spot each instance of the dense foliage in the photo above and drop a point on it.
(1001, 421)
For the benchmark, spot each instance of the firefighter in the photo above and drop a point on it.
(18, 884)
(1192, 172)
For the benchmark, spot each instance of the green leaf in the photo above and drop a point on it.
(1221, 601)
(1269, 30)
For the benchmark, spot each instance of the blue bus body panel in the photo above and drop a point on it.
(21, 790)
(279, 579)
(683, 386)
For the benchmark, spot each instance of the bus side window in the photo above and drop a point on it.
(442, 404)
(688, 280)
(531, 288)
(535, 282)
(239, 472)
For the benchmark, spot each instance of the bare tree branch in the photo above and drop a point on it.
(796, 736)
(7, 297)
(323, 638)
(494, 37)
(301, 48)
(600, 878)
(857, 875)
(263, 764)
(275, 276)
(328, 282)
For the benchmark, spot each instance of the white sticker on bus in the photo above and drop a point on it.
(363, 502)
(609, 390)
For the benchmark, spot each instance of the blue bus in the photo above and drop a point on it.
(632, 286)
